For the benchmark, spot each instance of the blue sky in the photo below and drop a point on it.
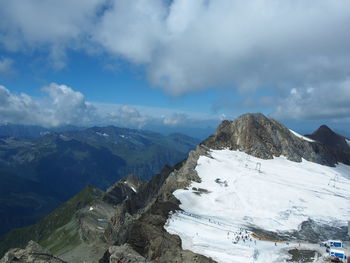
(175, 65)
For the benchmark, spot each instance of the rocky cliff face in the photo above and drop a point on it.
(262, 137)
(139, 221)
(33, 253)
(123, 189)
(337, 144)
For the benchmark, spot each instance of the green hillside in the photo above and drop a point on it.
(40, 231)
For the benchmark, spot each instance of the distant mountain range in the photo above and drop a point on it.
(40, 169)
(21, 131)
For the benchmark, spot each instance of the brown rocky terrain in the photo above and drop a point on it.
(136, 232)
(33, 253)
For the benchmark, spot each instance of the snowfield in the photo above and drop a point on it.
(239, 191)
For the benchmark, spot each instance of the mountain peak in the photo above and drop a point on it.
(123, 189)
(324, 129)
(330, 138)
(265, 138)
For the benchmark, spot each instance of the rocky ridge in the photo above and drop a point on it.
(254, 134)
(264, 138)
(338, 144)
(33, 253)
(136, 230)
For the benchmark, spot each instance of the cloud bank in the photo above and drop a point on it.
(60, 105)
(191, 45)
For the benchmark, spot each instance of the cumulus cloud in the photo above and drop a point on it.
(189, 45)
(327, 101)
(60, 106)
(127, 116)
(175, 119)
(50, 25)
(193, 45)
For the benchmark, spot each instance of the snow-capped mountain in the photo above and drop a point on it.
(246, 209)
(254, 191)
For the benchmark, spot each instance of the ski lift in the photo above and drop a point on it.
(258, 167)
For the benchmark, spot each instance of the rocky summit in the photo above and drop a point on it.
(262, 137)
(148, 219)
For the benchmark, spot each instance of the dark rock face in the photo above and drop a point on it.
(33, 253)
(128, 208)
(334, 141)
(121, 254)
(123, 189)
(315, 232)
(328, 137)
(139, 221)
(259, 136)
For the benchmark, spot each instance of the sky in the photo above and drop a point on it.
(175, 65)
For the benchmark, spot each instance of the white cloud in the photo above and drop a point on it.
(189, 45)
(329, 100)
(193, 45)
(60, 106)
(132, 29)
(176, 119)
(50, 25)
(127, 116)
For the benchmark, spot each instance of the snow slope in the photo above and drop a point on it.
(301, 136)
(244, 191)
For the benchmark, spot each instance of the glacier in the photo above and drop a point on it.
(239, 192)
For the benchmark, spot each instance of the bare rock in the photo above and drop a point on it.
(33, 253)
(264, 138)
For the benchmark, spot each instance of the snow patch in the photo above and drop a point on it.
(224, 242)
(133, 189)
(63, 137)
(129, 185)
(102, 134)
(277, 196)
(44, 133)
(348, 142)
(301, 136)
(91, 208)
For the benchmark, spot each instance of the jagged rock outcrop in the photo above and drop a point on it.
(33, 253)
(128, 211)
(123, 253)
(262, 137)
(123, 189)
(337, 143)
(139, 221)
